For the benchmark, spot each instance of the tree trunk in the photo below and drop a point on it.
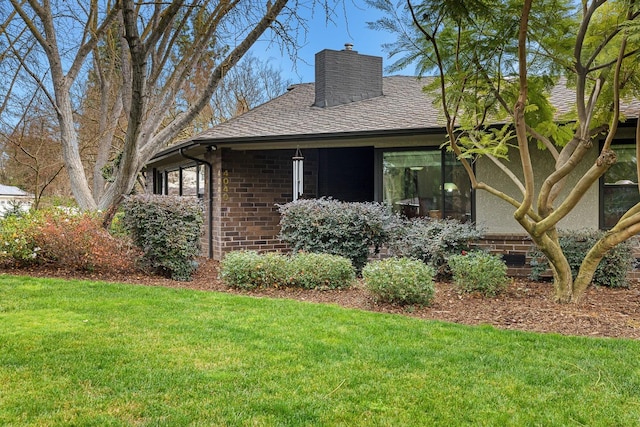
(562, 278)
(71, 155)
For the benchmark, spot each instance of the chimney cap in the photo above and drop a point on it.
(348, 46)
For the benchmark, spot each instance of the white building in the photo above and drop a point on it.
(11, 196)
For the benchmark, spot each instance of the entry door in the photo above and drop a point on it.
(347, 174)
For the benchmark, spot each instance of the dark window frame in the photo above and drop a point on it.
(601, 183)
(378, 174)
(161, 179)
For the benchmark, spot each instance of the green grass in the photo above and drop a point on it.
(96, 354)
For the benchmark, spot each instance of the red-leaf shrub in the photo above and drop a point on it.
(77, 241)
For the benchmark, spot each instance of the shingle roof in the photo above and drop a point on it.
(403, 106)
(8, 190)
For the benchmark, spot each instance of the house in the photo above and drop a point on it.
(362, 137)
(11, 197)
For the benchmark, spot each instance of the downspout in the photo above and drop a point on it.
(210, 195)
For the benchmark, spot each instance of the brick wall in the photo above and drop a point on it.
(518, 247)
(514, 246)
(247, 187)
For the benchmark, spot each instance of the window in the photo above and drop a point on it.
(184, 181)
(619, 185)
(426, 183)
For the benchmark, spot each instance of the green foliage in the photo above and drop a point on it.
(339, 228)
(69, 240)
(320, 271)
(17, 243)
(479, 271)
(117, 226)
(433, 241)
(612, 270)
(167, 229)
(251, 270)
(400, 281)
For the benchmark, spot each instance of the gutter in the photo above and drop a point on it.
(210, 195)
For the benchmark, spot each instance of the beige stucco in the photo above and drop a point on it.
(496, 216)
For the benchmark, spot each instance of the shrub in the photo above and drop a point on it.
(251, 270)
(74, 241)
(433, 241)
(320, 271)
(612, 270)
(479, 271)
(167, 229)
(338, 228)
(17, 244)
(400, 281)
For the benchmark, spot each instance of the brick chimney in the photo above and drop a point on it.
(344, 76)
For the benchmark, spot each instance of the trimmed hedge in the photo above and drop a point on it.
(320, 271)
(251, 270)
(329, 226)
(167, 229)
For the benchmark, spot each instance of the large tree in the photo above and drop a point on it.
(31, 152)
(139, 58)
(497, 62)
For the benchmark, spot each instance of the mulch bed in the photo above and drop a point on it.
(526, 305)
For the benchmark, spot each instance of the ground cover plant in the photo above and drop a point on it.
(94, 353)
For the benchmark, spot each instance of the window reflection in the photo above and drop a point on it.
(620, 189)
(426, 183)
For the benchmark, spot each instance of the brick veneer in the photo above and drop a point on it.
(515, 244)
(511, 244)
(247, 187)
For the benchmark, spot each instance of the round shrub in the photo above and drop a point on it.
(251, 270)
(479, 271)
(320, 271)
(400, 281)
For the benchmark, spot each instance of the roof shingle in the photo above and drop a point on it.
(403, 106)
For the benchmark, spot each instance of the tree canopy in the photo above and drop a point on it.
(147, 68)
(495, 65)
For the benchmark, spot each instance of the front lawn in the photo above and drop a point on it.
(92, 353)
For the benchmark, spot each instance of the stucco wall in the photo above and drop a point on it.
(496, 216)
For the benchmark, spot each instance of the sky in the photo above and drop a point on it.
(348, 26)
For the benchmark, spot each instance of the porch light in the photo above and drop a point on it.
(298, 174)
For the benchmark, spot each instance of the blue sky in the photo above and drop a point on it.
(348, 26)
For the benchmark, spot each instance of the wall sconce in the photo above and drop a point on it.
(298, 174)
